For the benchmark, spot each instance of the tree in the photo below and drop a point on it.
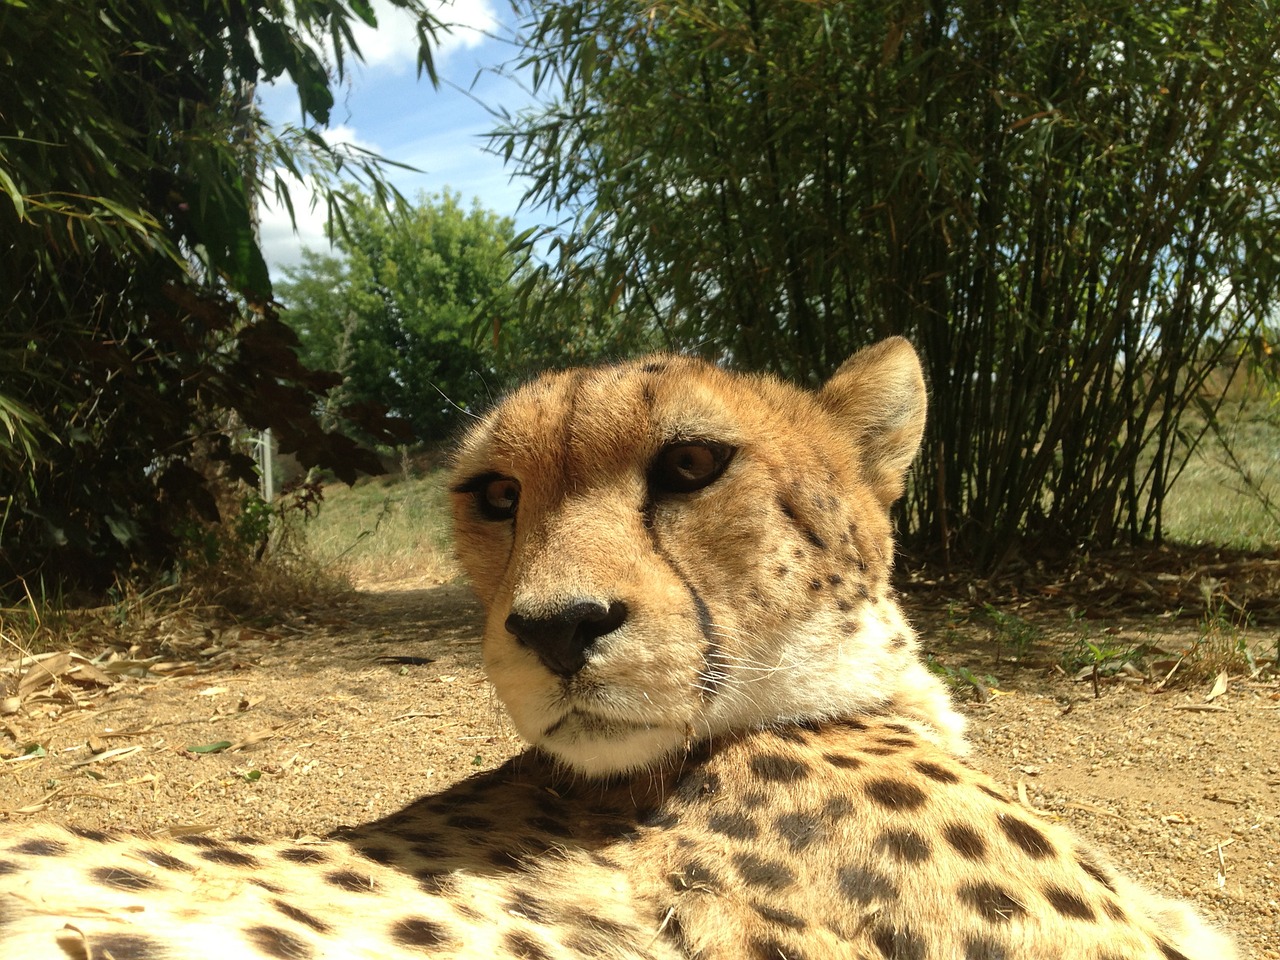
(136, 303)
(394, 312)
(1071, 208)
(419, 313)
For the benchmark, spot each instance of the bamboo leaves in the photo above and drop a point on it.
(1071, 209)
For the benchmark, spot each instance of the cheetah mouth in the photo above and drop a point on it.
(581, 724)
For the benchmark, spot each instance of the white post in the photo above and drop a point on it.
(266, 447)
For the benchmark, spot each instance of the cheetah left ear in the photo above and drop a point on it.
(878, 397)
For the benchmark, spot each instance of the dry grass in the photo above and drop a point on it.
(32, 627)
(374, 532)
(50, 652)
(220, 585)
(288, 576)
(386, 530)
(1224, 644)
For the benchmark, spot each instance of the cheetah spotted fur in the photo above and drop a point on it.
(735, 749)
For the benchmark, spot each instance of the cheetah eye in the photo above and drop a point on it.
(687, 466)
(496, 496)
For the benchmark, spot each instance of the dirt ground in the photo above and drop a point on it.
(308, 728)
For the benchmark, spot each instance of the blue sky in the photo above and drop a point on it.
(384, 107)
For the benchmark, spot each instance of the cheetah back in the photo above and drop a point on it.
(854, 838)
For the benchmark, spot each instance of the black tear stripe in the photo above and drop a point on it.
(713, 675)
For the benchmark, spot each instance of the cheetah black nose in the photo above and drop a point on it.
(563, 639)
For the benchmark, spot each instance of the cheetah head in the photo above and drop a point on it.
(668, 552)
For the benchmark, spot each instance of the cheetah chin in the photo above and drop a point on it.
(736, 751)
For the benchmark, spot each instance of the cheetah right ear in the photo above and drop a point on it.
(878, 397)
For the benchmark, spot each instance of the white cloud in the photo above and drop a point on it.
(281, 245)
(281, 238)
(389, 58)
(345, 135)
(394, 44)
(469, 21)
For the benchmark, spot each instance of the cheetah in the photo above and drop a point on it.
(735, 749)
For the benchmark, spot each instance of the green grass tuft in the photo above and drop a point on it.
(1229, 494)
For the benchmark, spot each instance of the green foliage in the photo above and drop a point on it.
(1012, 631)
(253, 525)
(419, 313)
(581, 332)
(962, 681)
(136, 299)
(394, 312)
(1096, 654)
(1229, 492)
(1099, 654)
(1070, 207)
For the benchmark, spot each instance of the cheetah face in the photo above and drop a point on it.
(667, 551)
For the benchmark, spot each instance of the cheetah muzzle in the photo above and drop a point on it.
(736, 751)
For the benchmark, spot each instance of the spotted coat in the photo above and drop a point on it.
(853, 839)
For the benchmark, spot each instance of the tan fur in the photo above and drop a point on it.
(737, 752)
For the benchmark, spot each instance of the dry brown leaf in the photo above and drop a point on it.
(1219, 798)
(1022, 795)
(86, 673)
(1164, 681)
(40, 658)
(43, 673)
(174, 668)
(258, 737)
(38, 805)
(183, 830)
(127, 732)
(1219, 687)
(1093, 809)
(109, 755)
(128, 667)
